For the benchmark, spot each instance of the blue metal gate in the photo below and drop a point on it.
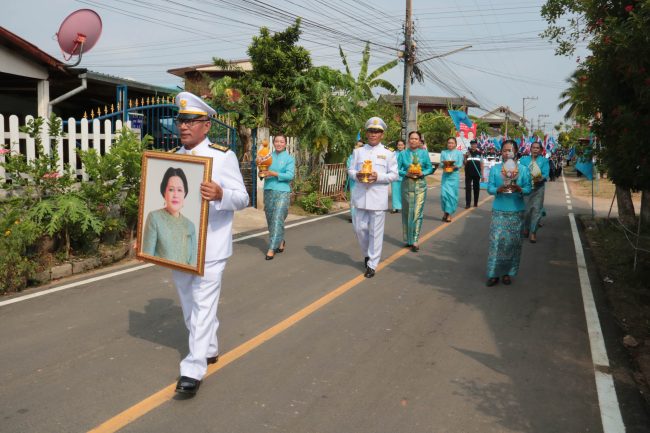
(154, 116)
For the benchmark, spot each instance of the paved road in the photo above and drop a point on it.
(422, 347)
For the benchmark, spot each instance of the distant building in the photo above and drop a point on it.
(498, 116)
(31, 79)
(428, 104)
(197, 78)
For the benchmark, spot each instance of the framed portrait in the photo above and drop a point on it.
(172, 216)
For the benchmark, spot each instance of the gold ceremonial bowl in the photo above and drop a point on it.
(366, 171)
(448, 166)
(415, 169)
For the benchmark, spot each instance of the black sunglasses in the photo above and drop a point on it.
(189, 122)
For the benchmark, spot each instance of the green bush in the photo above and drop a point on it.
(113, 188)
(43, 200)
(314, 203)
(17, 234)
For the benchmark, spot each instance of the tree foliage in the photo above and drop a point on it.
(261, 96)
(615, 84)
(436, 129)
(361, 87)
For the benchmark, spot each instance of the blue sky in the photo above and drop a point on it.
(142, 39)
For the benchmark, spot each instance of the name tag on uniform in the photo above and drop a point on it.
(381, 156)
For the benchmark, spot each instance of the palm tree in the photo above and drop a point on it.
(575, 96)
(362, 86)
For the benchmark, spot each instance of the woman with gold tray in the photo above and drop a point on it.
(508, 182)
(539, 169)
(413, 165)
(452, 159)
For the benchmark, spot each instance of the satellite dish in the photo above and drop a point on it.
(78, 33)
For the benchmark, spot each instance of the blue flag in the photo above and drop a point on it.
(458, 117)
(586, 167)
(572, 153)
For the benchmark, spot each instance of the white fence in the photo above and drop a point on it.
(333, 178)
(93, 134)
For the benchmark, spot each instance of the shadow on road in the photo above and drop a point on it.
(161, 323)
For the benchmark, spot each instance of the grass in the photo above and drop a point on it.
(603, 188)
(627, 289)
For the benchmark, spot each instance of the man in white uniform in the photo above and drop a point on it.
(371, 199)
(226, 193)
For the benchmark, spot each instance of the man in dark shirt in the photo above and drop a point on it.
(473, 173)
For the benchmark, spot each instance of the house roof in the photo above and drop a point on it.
(29, 50)
(242, 65)
(443, 101)
(498, 115)
(114, 80)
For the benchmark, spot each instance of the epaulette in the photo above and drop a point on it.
(174, 150)
(219, 147)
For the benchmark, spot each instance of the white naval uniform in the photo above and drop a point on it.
(371, 199)
(199, 295)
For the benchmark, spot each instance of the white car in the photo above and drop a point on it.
(435, 158)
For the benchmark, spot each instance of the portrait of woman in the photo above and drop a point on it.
(167, 233)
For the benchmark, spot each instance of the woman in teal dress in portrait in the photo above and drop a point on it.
(504, 251)
(167, 233)
(396, 186)
(539, 169)
(277, 194)
(414, 189)
(450, 180)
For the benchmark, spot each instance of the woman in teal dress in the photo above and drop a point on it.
(539, 170)
(414, 189)
(450, 180)
(277, 194)
(396, 186)
(504, 251)
(167, 233)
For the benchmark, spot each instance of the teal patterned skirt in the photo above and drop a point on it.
(534, 209)
(505, 243)
(276, 209)
(414, 195)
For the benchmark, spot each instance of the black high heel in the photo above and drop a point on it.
(281, 250)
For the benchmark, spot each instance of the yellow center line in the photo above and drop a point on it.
(167, 393)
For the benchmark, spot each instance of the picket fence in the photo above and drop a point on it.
(88, 134)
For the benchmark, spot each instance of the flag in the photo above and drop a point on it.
(586, 167)
(572, 153)
(458, 117)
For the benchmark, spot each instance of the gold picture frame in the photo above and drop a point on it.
(172, 216)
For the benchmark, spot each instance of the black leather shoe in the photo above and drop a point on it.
(187, 385)
(506, 280)
(370, 272)
(281, 250)
(267, 257)
(415, 248)
(492, 281)
(213, 359)
(365, 261)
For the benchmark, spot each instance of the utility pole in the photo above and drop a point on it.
(409, 58)
(539, 122)
(523, 109)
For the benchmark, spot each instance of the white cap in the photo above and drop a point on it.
(376, 123)
(191, 106)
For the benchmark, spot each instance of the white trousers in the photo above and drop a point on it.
(369, 228)
(199, 298)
